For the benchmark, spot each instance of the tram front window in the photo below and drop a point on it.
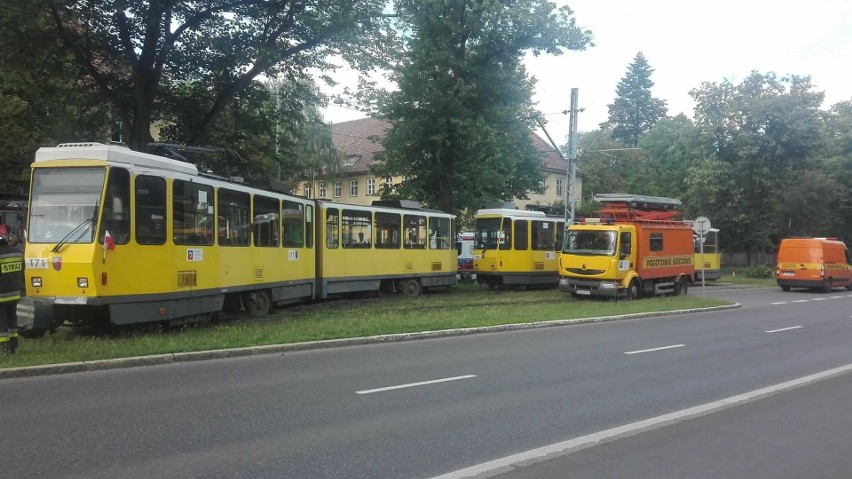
(487, 232)
(63, 200)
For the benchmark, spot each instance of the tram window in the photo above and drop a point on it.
(439, 233)
(293, 224)
(193, 213)
(487, 233)
(332, 228)
(309, 226)
(116, 208)
(387, 230)
(543, 235)
(265, 225)
(560, 234)
(415, 231)
(504, 238)
(356, 229)
(150, 215)
(522, 235)
(234, 223)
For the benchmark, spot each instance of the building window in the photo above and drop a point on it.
(338, 188)
(322, 190)
(371, 186)
(307, 189)
(541, 184)
(560, 186)
(353, 187)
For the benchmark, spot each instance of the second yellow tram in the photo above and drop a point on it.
(517, 248)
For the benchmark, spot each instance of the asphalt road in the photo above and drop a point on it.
(421, 408)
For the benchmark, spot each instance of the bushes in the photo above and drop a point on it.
(760, 271)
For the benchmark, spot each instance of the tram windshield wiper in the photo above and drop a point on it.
(79, 230)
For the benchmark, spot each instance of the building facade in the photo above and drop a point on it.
(360, 140)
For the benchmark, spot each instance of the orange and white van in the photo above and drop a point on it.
(816, 263)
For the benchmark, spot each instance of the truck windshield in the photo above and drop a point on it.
(63, 199)
(589, 243)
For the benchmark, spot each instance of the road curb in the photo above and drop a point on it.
(168, 358)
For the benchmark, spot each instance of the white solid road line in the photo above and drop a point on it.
(411, 385)
(784, 329)
(655, 349)
(515, 461)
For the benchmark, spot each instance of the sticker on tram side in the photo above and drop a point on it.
(194, 255)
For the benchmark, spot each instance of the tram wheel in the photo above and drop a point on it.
(411, 288)
(259, 303)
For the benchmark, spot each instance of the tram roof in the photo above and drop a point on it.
(512, 213)
(112, 153)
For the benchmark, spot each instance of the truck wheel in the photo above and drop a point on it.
(785, 288)
(681, 287)
(634, 291)
(827, 287)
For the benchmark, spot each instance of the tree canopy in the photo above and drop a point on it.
(463, 113)
(634, 111)
(148, 60)
(761, 159)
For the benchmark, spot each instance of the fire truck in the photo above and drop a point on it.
(634, 248)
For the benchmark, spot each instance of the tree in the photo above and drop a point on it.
(837, 164)
(144, 57)
(463, 113)
(669, 150)
(634, 111)
(769, 131)
(604, 168)
(44, 97)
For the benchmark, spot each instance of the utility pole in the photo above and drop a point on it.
(572, 160)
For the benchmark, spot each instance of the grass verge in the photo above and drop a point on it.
(463, 306)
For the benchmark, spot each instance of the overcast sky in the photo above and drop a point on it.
(687, 43)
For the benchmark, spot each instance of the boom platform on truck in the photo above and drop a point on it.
(635, 247)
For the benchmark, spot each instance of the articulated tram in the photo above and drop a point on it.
(517, 248)
(121, 237)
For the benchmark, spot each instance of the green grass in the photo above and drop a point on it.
(739, 275)
(462, 306)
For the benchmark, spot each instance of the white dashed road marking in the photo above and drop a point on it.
(411, 385)
(655, 349)
(784, 329)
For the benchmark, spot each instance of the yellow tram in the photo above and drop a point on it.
(517, 248)
(121, 237)
(710, 259)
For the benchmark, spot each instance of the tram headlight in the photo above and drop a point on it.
(82, 282)
(35, 281)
